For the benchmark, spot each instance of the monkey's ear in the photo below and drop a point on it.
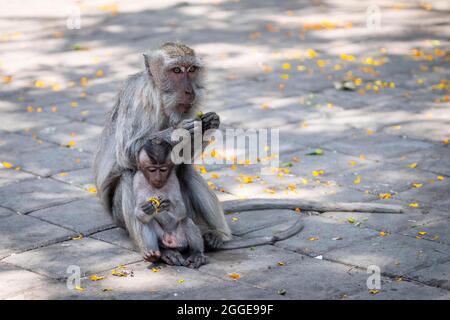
(147, 64)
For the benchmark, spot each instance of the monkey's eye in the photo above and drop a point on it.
(151, 169)
(176, 70)
(192, 69)
(163, 169)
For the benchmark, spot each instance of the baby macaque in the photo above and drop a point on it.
(166, 228)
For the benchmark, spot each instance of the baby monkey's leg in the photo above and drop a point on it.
(151, 250)
(195, 243)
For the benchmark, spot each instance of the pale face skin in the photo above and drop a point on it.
(182, 76)
(156, 174)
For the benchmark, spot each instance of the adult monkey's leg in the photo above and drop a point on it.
(203, 204)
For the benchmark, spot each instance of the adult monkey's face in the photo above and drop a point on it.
(178, 76)
(182, 77)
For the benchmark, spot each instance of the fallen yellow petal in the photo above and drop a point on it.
(414, 205)
(92, 189)
(79, 237)
(95, 277)
(7, 165)
(80, 288)
(385, 196)
(412, 165)
(234, 276)
(422, 233)
(440, 178)
(313, 238)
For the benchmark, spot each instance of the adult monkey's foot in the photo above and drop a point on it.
(196, 260)
(213, 239)
(172, 257)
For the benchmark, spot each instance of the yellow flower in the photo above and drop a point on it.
(357, 180)
(84, 81)
(417, 185)
(7, 165)
(78, 288)
(383, 234)
(92, 189)
(414, 205)
(234, 276)
(351, 220)
(39, 84)
(316, 173)
(79, 237)
(285, 76)
(385, 196)
(440, 178)
(234, 219)
(313, 238)
(413, 165)
(422, 233)
(7, 79)
(286, 66)
(95, 277)
(374, 291)
(281, 263)
(99, 73)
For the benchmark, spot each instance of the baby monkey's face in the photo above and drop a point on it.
(155, 173)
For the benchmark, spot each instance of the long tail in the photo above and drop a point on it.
(258, 241)
(231, 206)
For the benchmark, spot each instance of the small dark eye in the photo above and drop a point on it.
(193, 69)
(151, 169)
(176, 70)
(163, 169)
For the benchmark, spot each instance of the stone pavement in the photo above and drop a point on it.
(272, 64)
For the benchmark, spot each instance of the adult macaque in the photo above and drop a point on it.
(166, 228)
(152, 104)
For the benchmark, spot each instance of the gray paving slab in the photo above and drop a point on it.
(437, 275)
(394, 254)
(17, 283)
(89, 254)
(38, 193)
(83, 216)
(261, 267)
(20, 233)
(48, 161)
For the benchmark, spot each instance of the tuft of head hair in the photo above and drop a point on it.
(158, 150)
(175, 49)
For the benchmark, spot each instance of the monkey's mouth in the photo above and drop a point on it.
(184, 107)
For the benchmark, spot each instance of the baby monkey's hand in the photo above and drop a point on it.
(154, 204)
